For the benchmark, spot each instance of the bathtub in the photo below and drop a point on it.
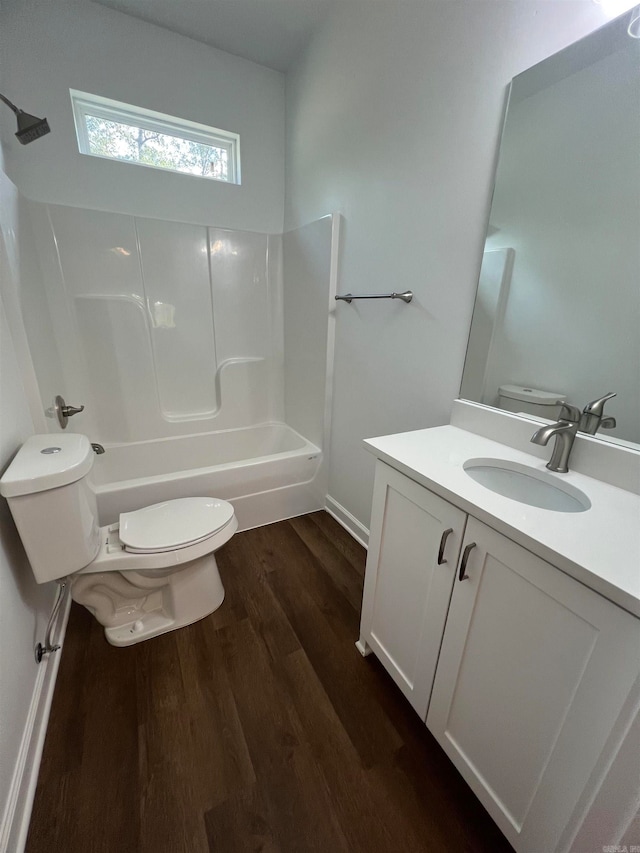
(268, 472)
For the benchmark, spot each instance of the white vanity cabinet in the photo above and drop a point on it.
(533, 670)
(533, 673)
(413, 550)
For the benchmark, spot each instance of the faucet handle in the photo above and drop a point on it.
(64, 412)
(569, 413)
(596, 407)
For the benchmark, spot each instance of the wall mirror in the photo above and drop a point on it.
(557, 310)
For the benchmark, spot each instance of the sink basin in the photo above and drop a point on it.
(527, 485)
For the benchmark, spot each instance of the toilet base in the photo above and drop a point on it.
(137, 605)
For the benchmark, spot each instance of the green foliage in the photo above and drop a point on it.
(125, 142)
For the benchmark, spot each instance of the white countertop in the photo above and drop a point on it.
(600, 547)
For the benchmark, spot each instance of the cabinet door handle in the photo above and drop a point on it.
(443, 544)
(462, 575)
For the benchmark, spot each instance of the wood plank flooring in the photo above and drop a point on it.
(259, 728)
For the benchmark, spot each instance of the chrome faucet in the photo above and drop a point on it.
(565, 432)
(592, 418)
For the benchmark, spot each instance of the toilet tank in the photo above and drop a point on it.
(52, 503)
(531, 401)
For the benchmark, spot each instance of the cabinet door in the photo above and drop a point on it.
(406, 590)
(533, 672)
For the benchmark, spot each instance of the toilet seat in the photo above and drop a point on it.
(114, 557)
(172, 525)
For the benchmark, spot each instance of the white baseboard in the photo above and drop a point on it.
(348, 521)
(15, 824)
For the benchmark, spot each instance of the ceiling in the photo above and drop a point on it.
(270, 32)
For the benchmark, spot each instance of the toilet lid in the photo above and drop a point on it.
(173, 524)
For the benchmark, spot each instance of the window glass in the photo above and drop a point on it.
(119, 131)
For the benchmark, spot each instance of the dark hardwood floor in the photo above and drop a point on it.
(259, 728)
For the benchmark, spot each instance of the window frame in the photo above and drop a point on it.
(85, 104)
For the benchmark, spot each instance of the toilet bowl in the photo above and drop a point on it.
(152, 572)
(170, 582)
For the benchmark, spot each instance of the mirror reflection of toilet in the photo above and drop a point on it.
(531, 401)
(153, 572)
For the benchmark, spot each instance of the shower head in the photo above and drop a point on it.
(29, 127)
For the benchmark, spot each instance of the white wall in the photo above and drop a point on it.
(393, 115)
(24, 606)
(50, 46)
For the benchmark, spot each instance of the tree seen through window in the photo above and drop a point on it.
(138, 145)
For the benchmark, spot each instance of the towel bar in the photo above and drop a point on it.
(407, 296)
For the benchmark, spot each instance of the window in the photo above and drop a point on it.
(117, 131)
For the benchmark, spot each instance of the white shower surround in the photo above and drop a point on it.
(268, 472)
(162, 328)
(192, 347)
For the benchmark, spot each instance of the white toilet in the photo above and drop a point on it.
(531, 401)
(153, 572)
